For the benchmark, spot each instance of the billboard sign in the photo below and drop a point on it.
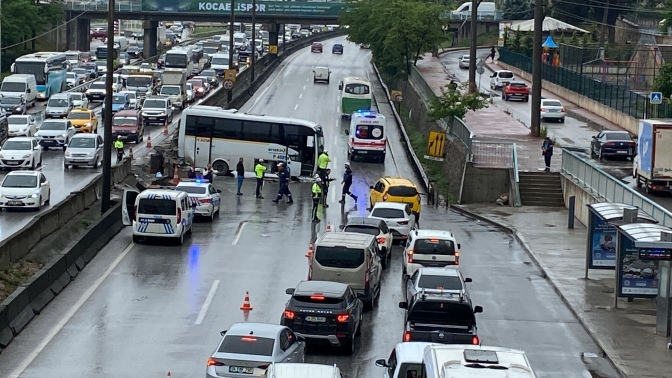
(637, 278)
(602, 254)
(265, 8)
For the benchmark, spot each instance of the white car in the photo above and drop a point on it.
(22, 125)
(72, 79)
(501, 78)
(79, 100)
(24, 189)
(21, 152)
(552, 109)
(397, 216)
(202, 194)
(463, 62)
(55, 133)
(191, 94)
(133, 98)
(430, 248)
(442, 281)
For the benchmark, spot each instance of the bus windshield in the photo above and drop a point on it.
(176, 60)
(357, 89)
(32, 68)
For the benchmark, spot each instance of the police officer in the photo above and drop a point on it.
(317, 197)
(119, 146)
(347, 182)
(325, 186)
(259, 171)
(208, 173)
(283, 175)
(322, 162)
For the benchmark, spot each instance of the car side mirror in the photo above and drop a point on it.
(300, 338)
(594, 137)
(313, 71)
(341, 227)
(340, 87)
(371, 187)
(289, 291)
(219, 190)
(382, 363)
(403, 305)
(28, 91)
(222, 333)
(347, 132)
(36, 147)
(43, 184)
(478, 310)
(459, 246)
(467, 279)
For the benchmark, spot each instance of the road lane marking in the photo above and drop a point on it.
(333, 196)
(307, 78)
(335, 161)
(59, 326)
(239, 231)
(270, 85)
(207, 303)
(301, 95)
(296, 106)
(304, 87)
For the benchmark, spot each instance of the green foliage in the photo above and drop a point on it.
(575, 39)
(562, 38)
(396, 30)
(517, 41)
(585, 39)
(528, 44)
(455, 103)
(663, 82)
(595, 33)
(517, 10)
(668, 16)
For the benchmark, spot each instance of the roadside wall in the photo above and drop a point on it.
(484, 185)
(582, 198)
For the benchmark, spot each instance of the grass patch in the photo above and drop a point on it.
(208, 29)
(16, 274)
(485, 39)
(432, 168)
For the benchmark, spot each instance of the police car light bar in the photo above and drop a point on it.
(161, 187)
(200, 181)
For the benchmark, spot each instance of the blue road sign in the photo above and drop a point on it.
(656, 98)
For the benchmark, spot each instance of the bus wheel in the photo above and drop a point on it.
(221, 166)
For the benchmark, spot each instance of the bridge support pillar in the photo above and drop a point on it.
(79, 32)
(150, 38)
(274, 35)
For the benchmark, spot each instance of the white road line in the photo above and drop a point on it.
(207, 303)
(304, 87)
(296, 106)
(238, 233)
(333, 196)
(301, 95)
(68, 315)
(263, 93)
(335, 161)
(307, 78)
(338, 108)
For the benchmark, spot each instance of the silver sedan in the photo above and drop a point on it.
(443, 281)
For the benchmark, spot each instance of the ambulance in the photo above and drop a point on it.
(158, 213)
(368, 138)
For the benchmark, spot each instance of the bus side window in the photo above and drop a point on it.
(310, 142)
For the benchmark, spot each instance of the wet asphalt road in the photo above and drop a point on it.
(138, 310)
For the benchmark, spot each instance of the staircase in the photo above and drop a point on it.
(540, 189)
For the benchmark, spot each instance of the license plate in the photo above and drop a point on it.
(621, 152)
(15, 203)
(316, 319)
(123, 137)
(241, 370)
(79, 161)
(362, 152)
(13, 162)
(505, 82)
(552, 110)
(152, 118)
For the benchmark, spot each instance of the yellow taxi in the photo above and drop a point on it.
(84, 121)
(396, 189)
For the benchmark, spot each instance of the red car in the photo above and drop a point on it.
(97, 33)
(199, 87)
(516, 89)
(316, 47)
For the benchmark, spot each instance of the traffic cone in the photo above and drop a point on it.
(165, 128)
(310, 251)
(149, 141)
(328, 227)
(246, 304)
(176, 176)
(130, 153)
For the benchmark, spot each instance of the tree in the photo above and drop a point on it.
(517, 10)
(528, 44)
(398, 31)
(663, 81)
(575, 39)
(576, 12)
(517, 40)
(455, 103)
(585, 39)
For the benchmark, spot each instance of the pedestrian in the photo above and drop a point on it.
(322, 162)
(492, 54)
(192, 172)
(317, 197)
(347, 182)
(259, 171)
(240, 171)
(283, 189)
(547, 152)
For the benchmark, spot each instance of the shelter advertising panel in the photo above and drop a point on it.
(636, 277)
(602, 243)
(269, 8)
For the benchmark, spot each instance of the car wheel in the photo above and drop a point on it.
(359, 327)
(562, 120)
(48, 201)
(40, 160)
(350, 347)
(39, 203)
(136, 239)
(180, 240)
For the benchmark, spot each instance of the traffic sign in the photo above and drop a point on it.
(228, 85)
(230, 75)
(396, 96)
(656, 98)
(273, 50)
(480, 70)
(436, 145)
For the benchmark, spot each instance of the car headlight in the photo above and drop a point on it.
(34, 195)
(63, 135)
(18, 109)
(90, 154)
(1, 157)
(162, 113)
(26, 156)
(88, 91)
(88, 124)
(22, 130)
(68, 154)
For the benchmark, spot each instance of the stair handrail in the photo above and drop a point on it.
(516, 192)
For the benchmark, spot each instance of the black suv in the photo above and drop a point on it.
(440, 319)
(324, 312)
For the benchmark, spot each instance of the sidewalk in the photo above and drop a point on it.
(491, 124)
(627, 333)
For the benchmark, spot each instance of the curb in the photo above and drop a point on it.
(526, 247)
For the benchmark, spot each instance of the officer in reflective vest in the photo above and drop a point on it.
(317, 197)
(259, 171)
(322, 162)
(119, 146)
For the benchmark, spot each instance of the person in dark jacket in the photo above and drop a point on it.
(325, 186)
(209, 173)
(192, 172)
(547, 152)
(240, 171)
(283, 189)
(347, 182)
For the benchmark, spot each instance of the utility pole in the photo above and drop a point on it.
(605, 29)
(107, 113)
(229, 95)
(539, 15)
(254, 39)
(473, 31)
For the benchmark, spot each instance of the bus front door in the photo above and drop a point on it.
(202, 154)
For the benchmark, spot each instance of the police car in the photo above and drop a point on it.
(202, 194)
(158, 213)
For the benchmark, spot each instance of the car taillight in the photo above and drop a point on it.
(402, 223)
(563, 110)
(475, 340)
(381, 240)
(135, 213)
(205, 200)
(289, 314)
(179, 215)
(343, 318)
(407, 336)
(543, 109)
(385, 197)
(410, 255)
(609, 144)
(457, 257)
(213, 362)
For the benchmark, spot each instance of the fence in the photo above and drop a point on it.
(493, 155)
(603, 185)
(622, 99)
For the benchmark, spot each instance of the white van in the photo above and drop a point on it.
(321, 74)
(20, 85)
(485, 10)
(459, 360)
(368, 137)
(157, 213)
(123, 42)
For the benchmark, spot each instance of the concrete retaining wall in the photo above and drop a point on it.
(484, 185)
(17, 246)
(604, 111)
(583, 198)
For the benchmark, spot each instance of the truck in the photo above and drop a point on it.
(142, 83)
(174, 85)
(652, 167)
(211, 47)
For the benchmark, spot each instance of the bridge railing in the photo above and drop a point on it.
(100, 5)
(480, 15)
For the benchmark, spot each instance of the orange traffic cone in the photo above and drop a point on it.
(246, 304)
(165, 128)
(328, 227)
(149, 141)
(130, 153)
(176, 176)
(310, 251)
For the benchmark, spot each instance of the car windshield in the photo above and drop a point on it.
(72, 75)
(17, 145)
(339, 257)
(119, 121)
(518, 85)
(440, 282)
(17, 120)
(465, 57)
(197, 83)
(154, 104)
(167, 90)
(220, 61)
(551, 103)
(257, 346)
(138, 81)
(237, 40)
(434, 247)
(361, 229)
(156, 206)
(208, 73)
(505, 75)
(192, 189)
(79, 115)
(438, 312)
(20, 181)
(402, 191)
(52, 125)
(11, 100)
(388, 213)
(118, 99)
(617, 136)
(97, 86)
(58, 103)
(82, 143)
(79, 71)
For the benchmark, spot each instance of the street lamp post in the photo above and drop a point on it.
(254, 39)
(107, 113)
(229, 95)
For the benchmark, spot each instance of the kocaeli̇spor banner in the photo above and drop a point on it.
(266, 8)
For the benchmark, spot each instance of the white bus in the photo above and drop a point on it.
(210, 134)
(182, 59)
(49, 69)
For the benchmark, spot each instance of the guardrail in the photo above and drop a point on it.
(493, 155)
(605, 186)
(464, 134)
(516, 179)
